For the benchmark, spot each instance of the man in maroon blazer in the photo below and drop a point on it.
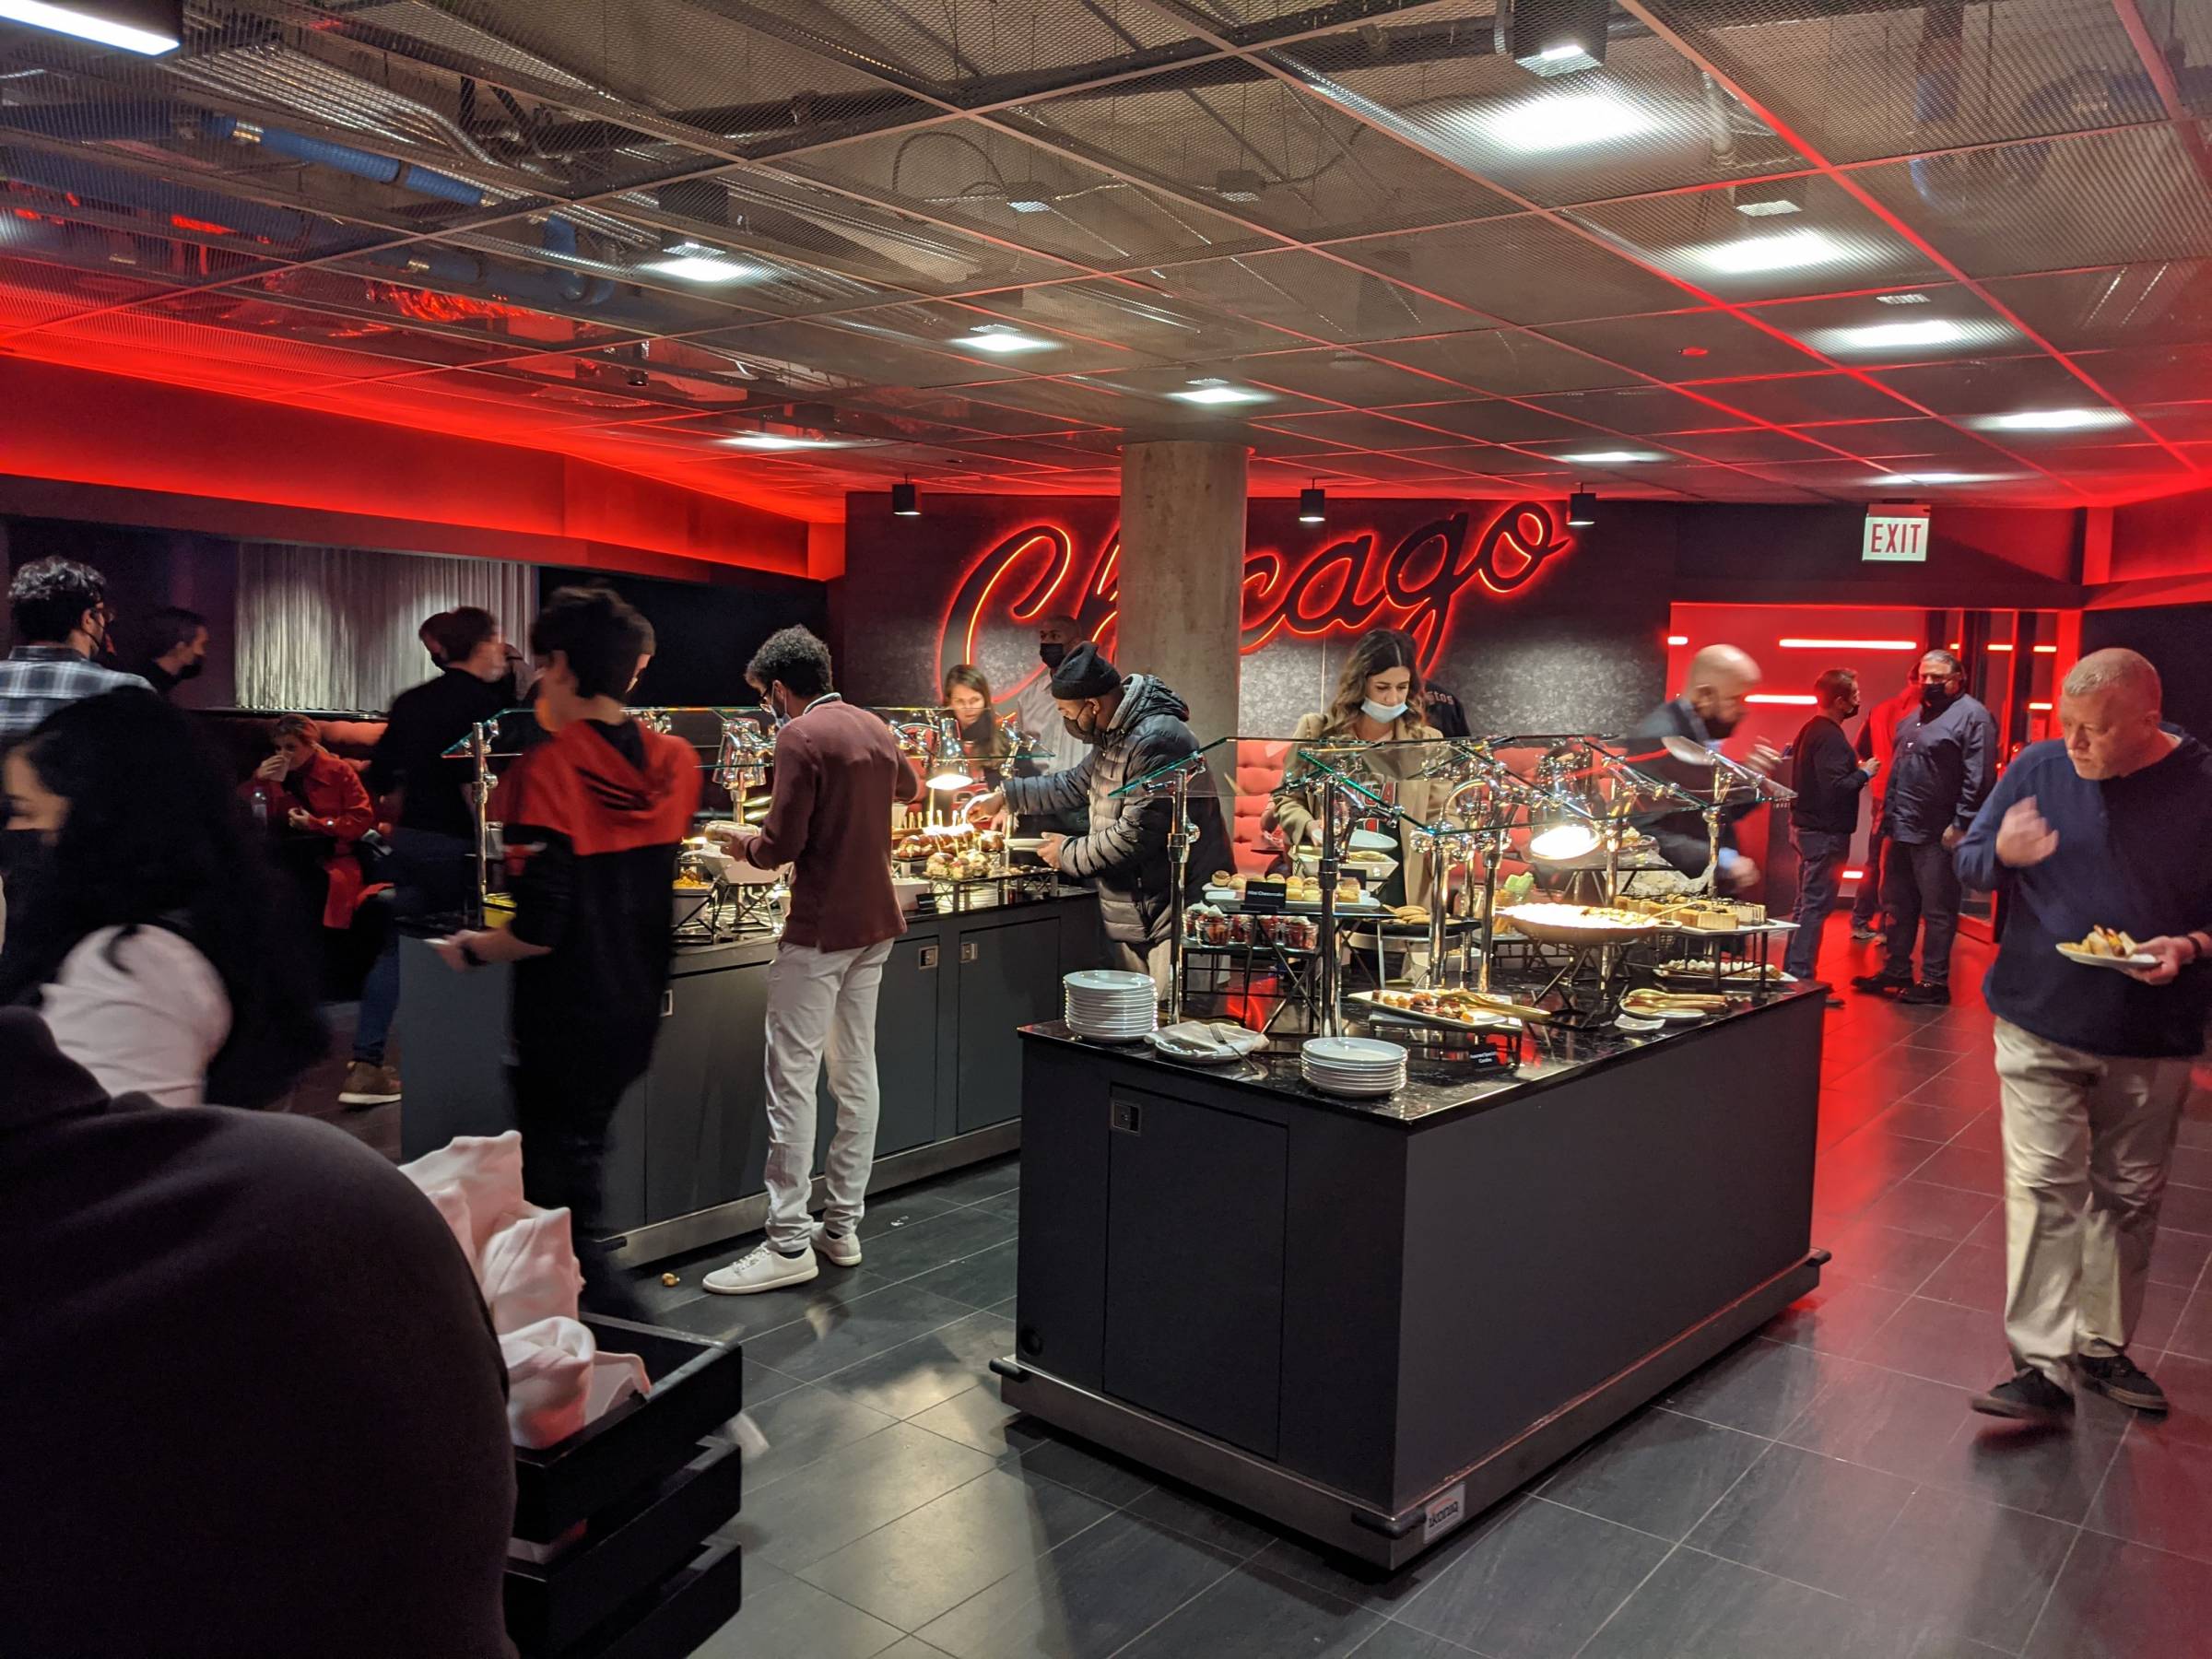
(838, 773)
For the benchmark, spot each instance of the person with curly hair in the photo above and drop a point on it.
(146, 928)
(59, 610)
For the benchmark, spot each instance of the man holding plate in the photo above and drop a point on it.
(2104, 829)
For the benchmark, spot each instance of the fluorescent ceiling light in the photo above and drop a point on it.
(1773, 208)
(151, 30)
(780, 441)
(1561, 121)
(695, 261)
(2051, 420)
(1782, 251)
(1935, 477)
(1902, 299)
(1217, 392)
(998, 337)
(1609, 457)
(1877, 335)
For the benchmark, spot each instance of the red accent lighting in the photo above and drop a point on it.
(2040, 708)
(1998, 645)
(2046, 650)
(1678, 639)
(1796, 645)
(1854, 875)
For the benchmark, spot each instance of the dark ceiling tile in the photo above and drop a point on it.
(1491, 419)
(1522, 270)
(1748, 443)
(1684, 345)
(1794, 399)
(1504, 361)
(1303, 293)
(2162, 300)
(1636, 409)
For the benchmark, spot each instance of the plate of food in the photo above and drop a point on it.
(2108, 948)
(1735, 973)
(1462, 1010)
(1646, 1002)
(1579, 923)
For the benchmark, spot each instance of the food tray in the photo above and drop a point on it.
(1499, 1021)
(1561, 933)
(1229, 898)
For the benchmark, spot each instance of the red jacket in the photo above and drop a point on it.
(331, 794)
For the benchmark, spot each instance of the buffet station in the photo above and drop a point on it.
(1367, 1271)
(990, 932)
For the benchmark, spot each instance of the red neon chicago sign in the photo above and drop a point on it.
(1346, 587)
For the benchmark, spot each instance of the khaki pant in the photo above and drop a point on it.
(1155, 959)
(2088, 1139)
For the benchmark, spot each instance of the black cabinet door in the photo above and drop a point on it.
(1194, 1253)
(906, 1046)
(1009, 977)
(706, 1124)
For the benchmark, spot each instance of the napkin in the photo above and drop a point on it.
(1201, 1040)
(488, 1170)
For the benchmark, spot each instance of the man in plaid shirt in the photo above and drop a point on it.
(60, 611)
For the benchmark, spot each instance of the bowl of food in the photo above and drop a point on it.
(1577, 924)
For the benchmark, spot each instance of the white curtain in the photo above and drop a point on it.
(333, 628)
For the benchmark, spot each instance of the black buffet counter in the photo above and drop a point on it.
(1371, 1320)
(690, 1139)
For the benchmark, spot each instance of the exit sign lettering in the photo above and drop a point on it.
(1896, 534)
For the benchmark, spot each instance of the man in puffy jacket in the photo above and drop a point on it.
(1135, 727)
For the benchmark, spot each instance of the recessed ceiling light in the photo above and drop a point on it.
(1933, 477)
(998, 337)
(1027, 195)
(1766, 199)
(1553, 37)
(1217, 392)
(1561, 121)
(2051, 420)
(147, 27)
(1609, 457)
(1782, 251)
(782, 440)
(1878, 336)
(1902, 299)
(695, 261)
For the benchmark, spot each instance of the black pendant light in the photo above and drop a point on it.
(1313, 505)
(1581, 509)
(906, 501)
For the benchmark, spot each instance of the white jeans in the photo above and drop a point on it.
(819, 999)
(2087, 1140)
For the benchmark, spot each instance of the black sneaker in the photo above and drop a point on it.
(1880, 985)
(2117, 1377)
(2030, 1397)
(1864, 935)
(1924, 996)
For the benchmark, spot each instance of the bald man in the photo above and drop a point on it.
(1710, 706)
(2107, 829)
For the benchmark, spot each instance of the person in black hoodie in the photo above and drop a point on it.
(434, 842)
(1828, 778)
(1135, 726)
(2106, 828)
(591, 820)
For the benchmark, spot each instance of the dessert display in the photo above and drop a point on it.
(1579, 923)
(1209, 924)
(952, 852)
(1296, 889)
(1448, 1006)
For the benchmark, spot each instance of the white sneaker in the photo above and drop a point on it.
(761, 1268)
(843, 1253)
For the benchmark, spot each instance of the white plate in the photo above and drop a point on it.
(1377, 1075)
(1355, 1092)
(1354, 1050)
(2088, 960)
(1633, 1022)
(1681, 1016)
(1110, 979)
(1137, 1022)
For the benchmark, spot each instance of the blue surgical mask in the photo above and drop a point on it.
(1384, 714)
(776, 715)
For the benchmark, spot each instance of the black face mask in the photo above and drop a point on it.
(1935, 697)
(1051, 653)
(1718, 726)
(1082, 733)
(190, 671)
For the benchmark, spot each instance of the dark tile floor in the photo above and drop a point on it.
(1820, 1492)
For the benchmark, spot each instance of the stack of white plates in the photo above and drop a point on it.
(1110, 1006)
(1353, 1065)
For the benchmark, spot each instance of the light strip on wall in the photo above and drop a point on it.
(1803, 698)
(2046, 650)
(1678, 639)
(1851, 644)
(2040, 708)
(1998, 645)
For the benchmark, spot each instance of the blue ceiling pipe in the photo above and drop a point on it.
(89, 181)
(345, 157)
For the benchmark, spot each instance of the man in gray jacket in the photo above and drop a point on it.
(1135, 727)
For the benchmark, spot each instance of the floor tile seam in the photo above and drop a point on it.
(1035, 1556)
(1673, 1550)
(1210, 1585)
(799, 1570)
(869, 1359)
(752, 1490)
(1730, 1428)
(1953, 1489)
(2043, 1608)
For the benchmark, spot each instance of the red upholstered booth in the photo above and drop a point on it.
(1259, 770)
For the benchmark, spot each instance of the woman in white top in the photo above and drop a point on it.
(144, 925)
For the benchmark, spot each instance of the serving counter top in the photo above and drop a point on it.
(1436, 1087)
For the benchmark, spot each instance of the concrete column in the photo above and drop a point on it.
(1182, 573)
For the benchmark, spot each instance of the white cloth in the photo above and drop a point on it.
(487, 1169)
(817, 1001)
(558, 1380)
(529, 1272)
(149, 1020)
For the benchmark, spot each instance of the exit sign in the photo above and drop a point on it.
(1896, 534)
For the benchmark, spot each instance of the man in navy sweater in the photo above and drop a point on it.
(2104, 829)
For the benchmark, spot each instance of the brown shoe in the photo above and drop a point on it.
(368, 1084)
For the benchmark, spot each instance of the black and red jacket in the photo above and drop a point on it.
(592, 820)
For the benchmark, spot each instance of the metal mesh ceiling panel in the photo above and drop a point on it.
(1782, 246)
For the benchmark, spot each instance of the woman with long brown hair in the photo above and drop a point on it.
(1376, 702)
(969, 700)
